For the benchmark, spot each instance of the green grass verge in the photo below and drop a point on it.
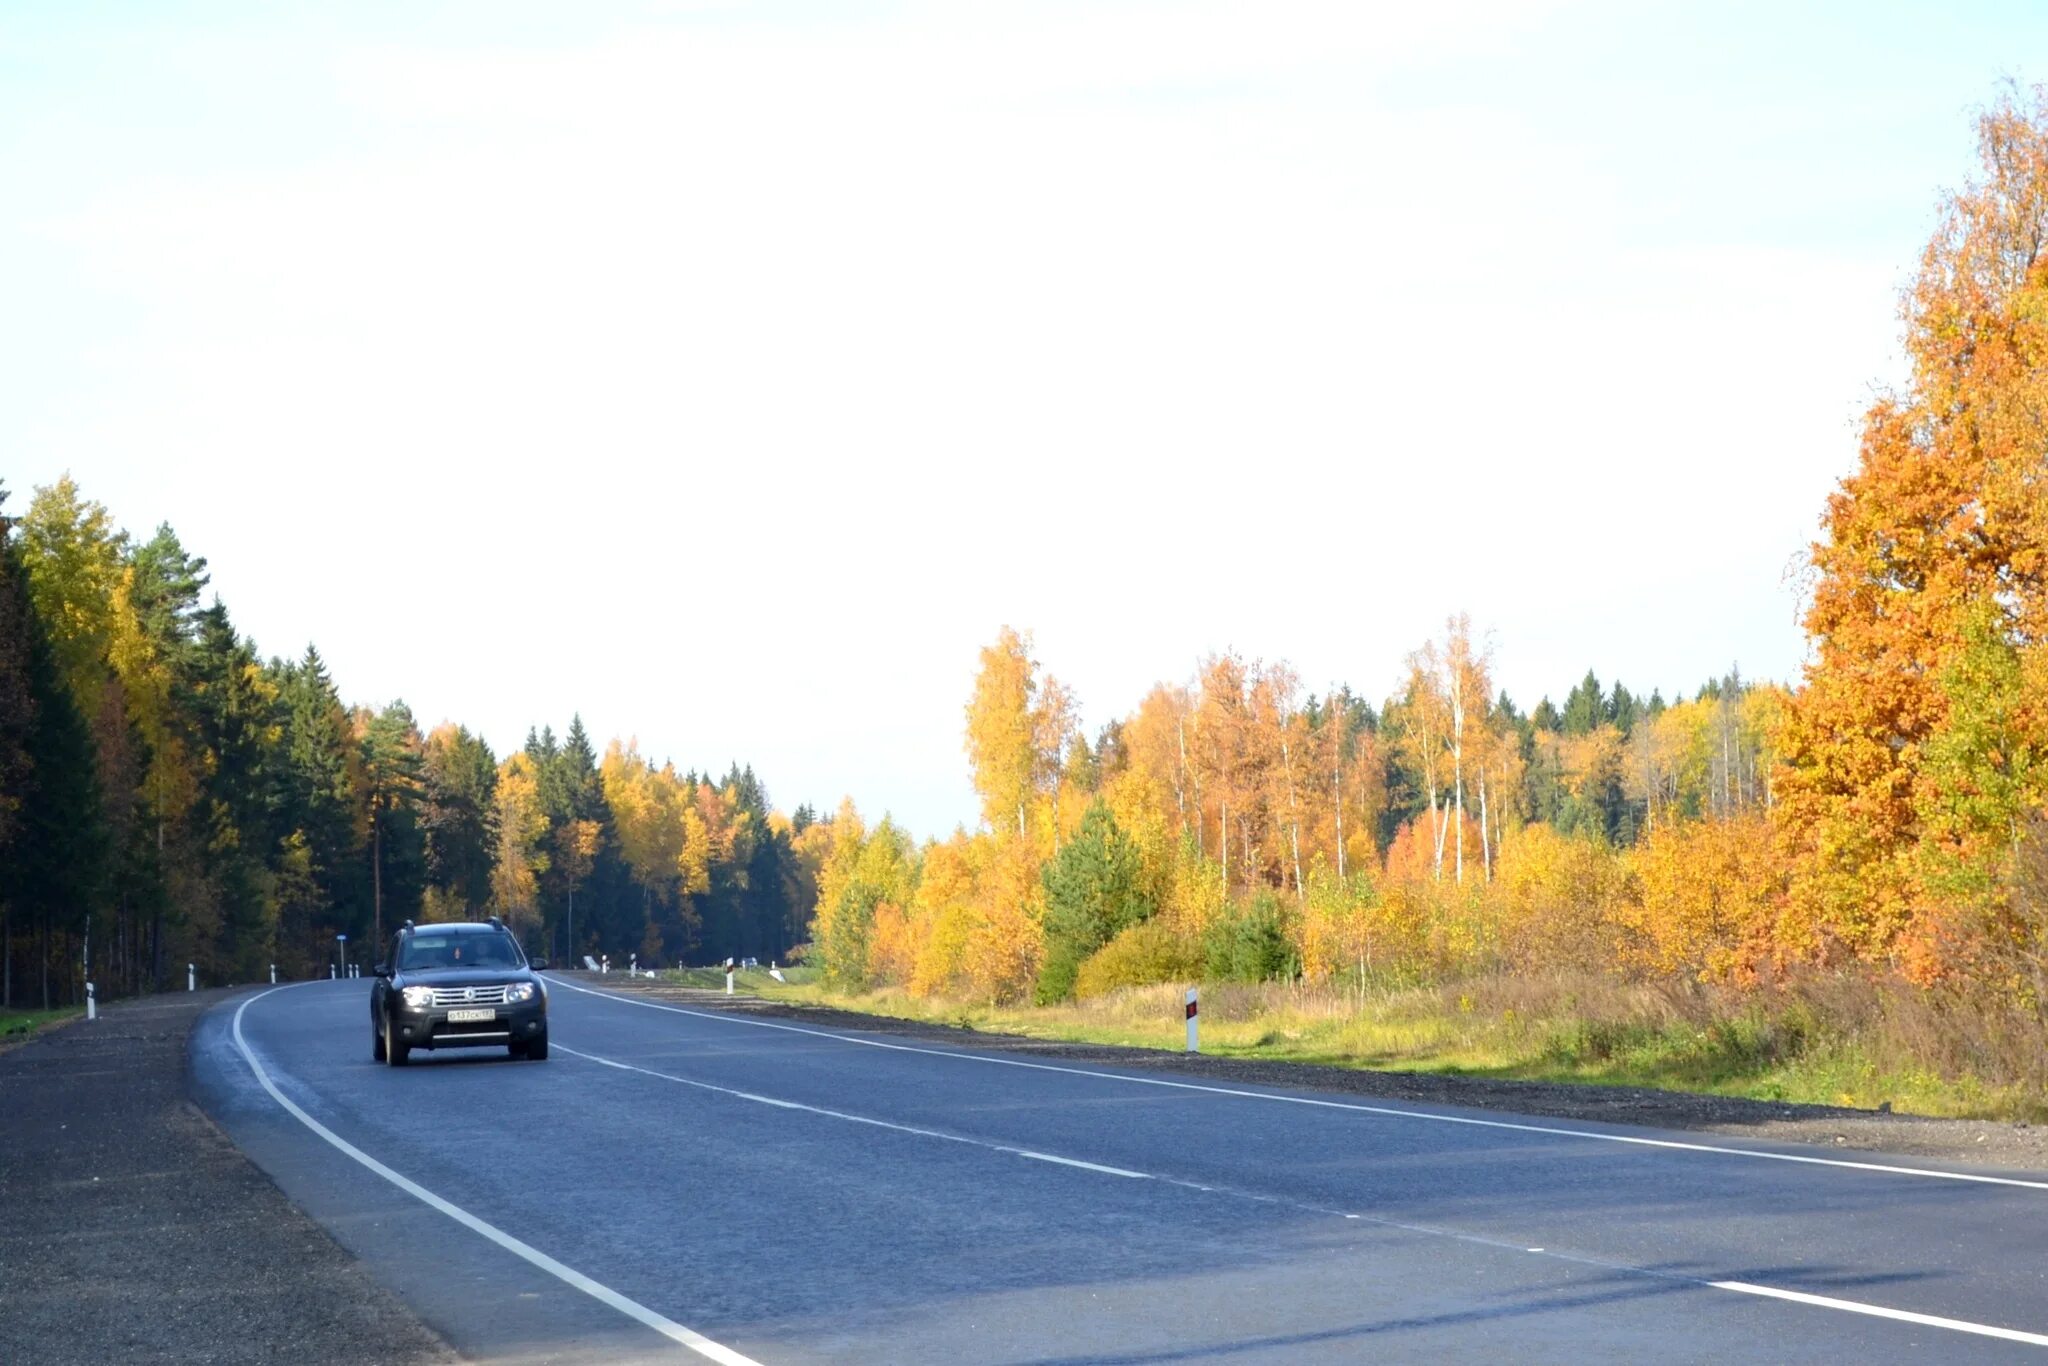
(16, 1025)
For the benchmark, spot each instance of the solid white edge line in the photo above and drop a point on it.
(1738, 1287)
(1555, 1130)
(1879, 1311)
(604, 1294)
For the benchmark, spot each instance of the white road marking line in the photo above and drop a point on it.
(1555, 1130)
(1076, 1162)
(604, 1294)
(842, 1114)
(1879, 1311)
(1477, 1239)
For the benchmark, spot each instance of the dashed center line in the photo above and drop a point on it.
(1427, 1230)
(1317, 1102)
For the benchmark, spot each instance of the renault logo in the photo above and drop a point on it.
(469, 994)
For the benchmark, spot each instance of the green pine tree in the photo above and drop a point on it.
(1094, 888)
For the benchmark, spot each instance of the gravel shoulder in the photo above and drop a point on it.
(131, 1229)
(1966, 1142)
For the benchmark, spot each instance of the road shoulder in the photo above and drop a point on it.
(131, 1229)
(1979, 1143)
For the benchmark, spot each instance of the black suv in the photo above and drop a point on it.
(459, 985)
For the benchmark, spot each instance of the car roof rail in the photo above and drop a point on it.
(406, 926)
(499, 923)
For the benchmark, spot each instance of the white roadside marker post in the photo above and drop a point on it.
(1194, 1039)
(191, 977)
(92, 1005)
(330, 972)
(632, 965)
(273, 974)
(728, 976)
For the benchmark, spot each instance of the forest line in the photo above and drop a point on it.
(168, 794)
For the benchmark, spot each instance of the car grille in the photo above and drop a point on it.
(469, 996)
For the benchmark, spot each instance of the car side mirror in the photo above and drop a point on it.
(381, 970)
(538, 964)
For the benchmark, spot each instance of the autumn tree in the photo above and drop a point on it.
(1424, 739)
(1018, 723)
(1933, 561)
(522, 853)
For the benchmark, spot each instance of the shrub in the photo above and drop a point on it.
(1250, 943)
(1141, 955)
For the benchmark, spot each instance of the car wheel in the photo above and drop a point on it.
(394, 1051)
(537, 1049)
(376, 1043)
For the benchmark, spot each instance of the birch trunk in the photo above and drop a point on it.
(1180, 777)
(1223, 848)
(1337, 804)
(1485, 843)
(1293, 818)
(1458, 755)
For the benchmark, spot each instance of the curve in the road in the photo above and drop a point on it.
(569, 1275)
(1647, 1211)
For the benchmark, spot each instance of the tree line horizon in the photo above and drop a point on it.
(185, 800)
(170, 793)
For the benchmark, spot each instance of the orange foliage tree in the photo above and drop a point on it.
(1938, 533)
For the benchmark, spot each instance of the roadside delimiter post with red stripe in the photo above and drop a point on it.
(1194, 1045)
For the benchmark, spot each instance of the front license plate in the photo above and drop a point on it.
(470, 1016)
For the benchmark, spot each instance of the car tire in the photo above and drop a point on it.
(376, 1043)
(394, 1051)
(537, 1049)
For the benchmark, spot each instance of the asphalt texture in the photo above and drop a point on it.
(1977, 1143)
(132, 1230)
(801, 1195)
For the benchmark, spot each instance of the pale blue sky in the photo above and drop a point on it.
(731, 373)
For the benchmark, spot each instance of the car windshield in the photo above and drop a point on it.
(425, 951)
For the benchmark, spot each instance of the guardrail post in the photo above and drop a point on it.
(92, 1005)
(1194, 1038)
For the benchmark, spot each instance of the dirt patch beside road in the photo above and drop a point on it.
(1970, 1142)
(132, 1230)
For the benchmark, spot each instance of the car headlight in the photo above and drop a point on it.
(519, 991)
(419, 998)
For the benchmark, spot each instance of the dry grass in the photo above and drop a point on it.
(1834, 1038)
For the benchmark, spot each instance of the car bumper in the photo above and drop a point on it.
(433, 1029)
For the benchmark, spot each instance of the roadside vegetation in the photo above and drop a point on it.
(1829, 1040)
(16, 1025)
(1832, 889)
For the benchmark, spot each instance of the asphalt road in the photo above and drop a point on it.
(675, 1182)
